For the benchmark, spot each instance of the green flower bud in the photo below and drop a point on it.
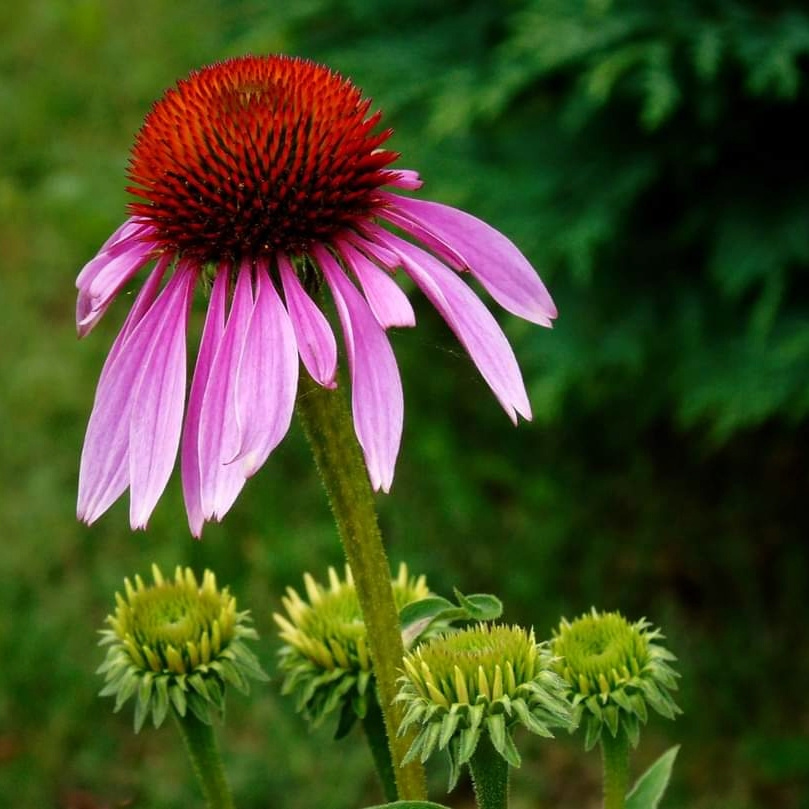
(614, 671)
(176, 644)
(482, 679)
(325, 658)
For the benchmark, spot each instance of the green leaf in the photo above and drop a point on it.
(649, 789)
(160, 702)
(480, 606)
(425, 608)
(417, 617)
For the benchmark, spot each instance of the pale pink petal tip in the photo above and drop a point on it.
(376, 388)
(407, 179)
(313, 334)
(124, 253)
(386, 298)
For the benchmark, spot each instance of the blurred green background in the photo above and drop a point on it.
(651, 159)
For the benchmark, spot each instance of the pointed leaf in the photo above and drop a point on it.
(480, 606)
(650, 787)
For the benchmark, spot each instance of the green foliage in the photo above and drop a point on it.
(650, 158)
(651, 786)
(424, 618)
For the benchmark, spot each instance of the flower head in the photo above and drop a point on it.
(325, 658)
(614, 670)
(262, 180)
(176, 643)
(482, 679)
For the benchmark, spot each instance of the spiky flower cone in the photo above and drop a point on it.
(614, 671)
(325, 658)
(484, 680)
(176, 643)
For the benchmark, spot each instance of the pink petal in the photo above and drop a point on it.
(131, 227)
(267, 378)
(492, 258)
(220, 480)
(472, 323)
(122, 237)
(386, 299)
(444, 251)
(104, 473)
(369, 245)
(104, 276)
(189, 453)
(313, 334)
(404, 178)
(142, 304)
(157, 409)
(104, 469)
(376, 389)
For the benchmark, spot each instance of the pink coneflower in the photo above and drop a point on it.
(261, 180)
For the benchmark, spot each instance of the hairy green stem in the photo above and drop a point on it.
(490, 774)
(615, 755)
(205, 759)
(327, 422)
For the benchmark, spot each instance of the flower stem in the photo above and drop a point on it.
(490, 774)
(327, 422)
(205, 759)
(615, 755)
(374, 726)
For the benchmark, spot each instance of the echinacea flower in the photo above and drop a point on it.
(325, 659)
(177, 644)
(484, 680)
(614, 671)
(261, 180)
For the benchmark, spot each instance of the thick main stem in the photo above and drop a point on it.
(327, 422)
(205, 759)
(490, 775)
(615, 755)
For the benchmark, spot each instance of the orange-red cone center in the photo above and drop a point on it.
(256, 155)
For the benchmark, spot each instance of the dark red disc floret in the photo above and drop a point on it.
(255, 155)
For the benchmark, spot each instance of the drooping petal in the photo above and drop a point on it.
(122, 236)
(315, 339)
(104, 470)
(131, 227)
(385, 297)
(157, 409)
(189, 455)
(444, 251)
(220, 480)
(104, 276)
(142, 304)
(376, 388)
(267, 377)
(371, 246)
(472, 323)
(493, 259)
